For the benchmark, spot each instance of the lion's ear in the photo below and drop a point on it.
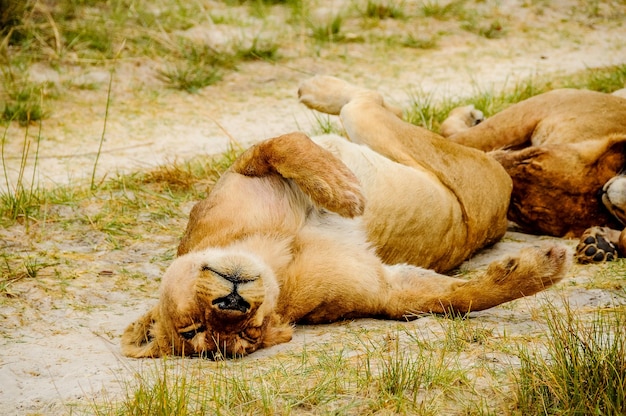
(138, 340)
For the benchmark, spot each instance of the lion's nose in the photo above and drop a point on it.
(232, 302)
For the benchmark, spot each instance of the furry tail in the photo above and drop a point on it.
(320, 175)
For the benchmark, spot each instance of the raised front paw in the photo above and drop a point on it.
(595, 246)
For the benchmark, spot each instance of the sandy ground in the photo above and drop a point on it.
(149, 125)
(59, 352)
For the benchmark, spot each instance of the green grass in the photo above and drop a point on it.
(259, 50)
(426, 111)
(424, 42)
(362, 377)
(325, 124)
(443, 10)
(389, 9)
(327, 30)
(13, 269)
(584, 369)
(24, 105)
(85, 32)
(21, 200)
(24, 100)
(407, 370)
(493, 29)
(199, 66)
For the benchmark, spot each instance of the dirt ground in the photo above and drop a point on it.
(56, 352)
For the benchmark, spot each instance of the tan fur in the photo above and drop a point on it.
(461, 119)
(560, 148)
(317, 231)
(464, 217)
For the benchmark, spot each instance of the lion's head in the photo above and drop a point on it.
(213, 303)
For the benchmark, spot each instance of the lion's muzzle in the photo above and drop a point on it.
(232, 302)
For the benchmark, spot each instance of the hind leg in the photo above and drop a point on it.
(415, 291)
(368, 119)
(329, 95)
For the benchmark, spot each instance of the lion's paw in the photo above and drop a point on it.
(461, 119)
(326, 94)
(620, 93)
(595, 247)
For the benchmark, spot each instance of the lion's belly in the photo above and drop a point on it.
(410, 216)
(415, 220)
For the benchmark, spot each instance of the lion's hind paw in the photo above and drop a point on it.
(327, 94)
(595, 247)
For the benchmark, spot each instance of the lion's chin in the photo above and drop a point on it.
(246, 341)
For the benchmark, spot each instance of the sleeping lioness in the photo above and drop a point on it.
(566, 153)
(303, 231)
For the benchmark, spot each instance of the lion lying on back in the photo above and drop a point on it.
(566, 153)
(302, 231)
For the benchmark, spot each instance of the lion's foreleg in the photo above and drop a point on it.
(320, 175)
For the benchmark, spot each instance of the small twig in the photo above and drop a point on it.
(104, 127)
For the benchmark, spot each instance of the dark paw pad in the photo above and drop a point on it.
(595, 248)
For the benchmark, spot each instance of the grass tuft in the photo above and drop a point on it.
(378, 9)
(584, 369)
(383, 375)
(443, 10)
(21, 200)
(493, 29)
(327, 30)
(259, 50)
(24, 102)
(606, 79)
(423, 110)
(324, 124)
(424, 42)
(201, 66)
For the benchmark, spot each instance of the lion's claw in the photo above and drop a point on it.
(594, 247)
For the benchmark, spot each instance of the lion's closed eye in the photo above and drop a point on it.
(246, 337)
(251, 335)
(190, 332)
